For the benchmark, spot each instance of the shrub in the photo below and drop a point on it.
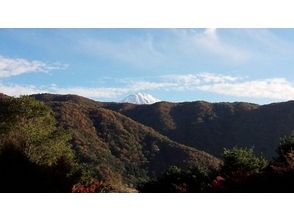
(179, 180)
(242, 160)
(286, 149)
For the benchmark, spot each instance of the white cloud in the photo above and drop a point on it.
(191, 80)
(145, 85)
(272, 88)
(275, 88)
(17, 90)
(216, 78)
(90, 92)
(112, 92)
(16, 66)
(184, 80)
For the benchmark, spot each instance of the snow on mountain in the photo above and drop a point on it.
(140, 98)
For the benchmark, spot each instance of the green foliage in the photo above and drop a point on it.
(173, 171)
(179, 180)
(286, 147)
(242, 160)
(35, 155)
(30, 126)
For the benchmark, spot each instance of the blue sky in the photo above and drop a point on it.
(253, 65)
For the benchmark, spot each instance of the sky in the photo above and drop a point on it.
(176, 65)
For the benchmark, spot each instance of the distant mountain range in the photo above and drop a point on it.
(140, 98)
(206, 126)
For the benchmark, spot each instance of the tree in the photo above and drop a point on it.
(179, 180)
(30, 126)
(35, 155)
(286, 150)
(240, 168)
(242, 161)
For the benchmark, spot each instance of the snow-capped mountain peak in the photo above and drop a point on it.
(140, 98)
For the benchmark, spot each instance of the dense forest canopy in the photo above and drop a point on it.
(54, 143)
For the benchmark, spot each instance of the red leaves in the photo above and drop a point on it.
(217, 182)
(92, 187)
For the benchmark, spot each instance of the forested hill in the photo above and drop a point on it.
(118, 149)
(208, 126)
(213, 126)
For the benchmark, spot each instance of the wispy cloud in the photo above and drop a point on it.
(266, 41)
(210, 42)
(230, 46)
(148, 85)
(16, 66)
(139, 51)
(146, 51)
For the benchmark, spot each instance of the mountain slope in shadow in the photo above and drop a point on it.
(117, 147)
(213, 126)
